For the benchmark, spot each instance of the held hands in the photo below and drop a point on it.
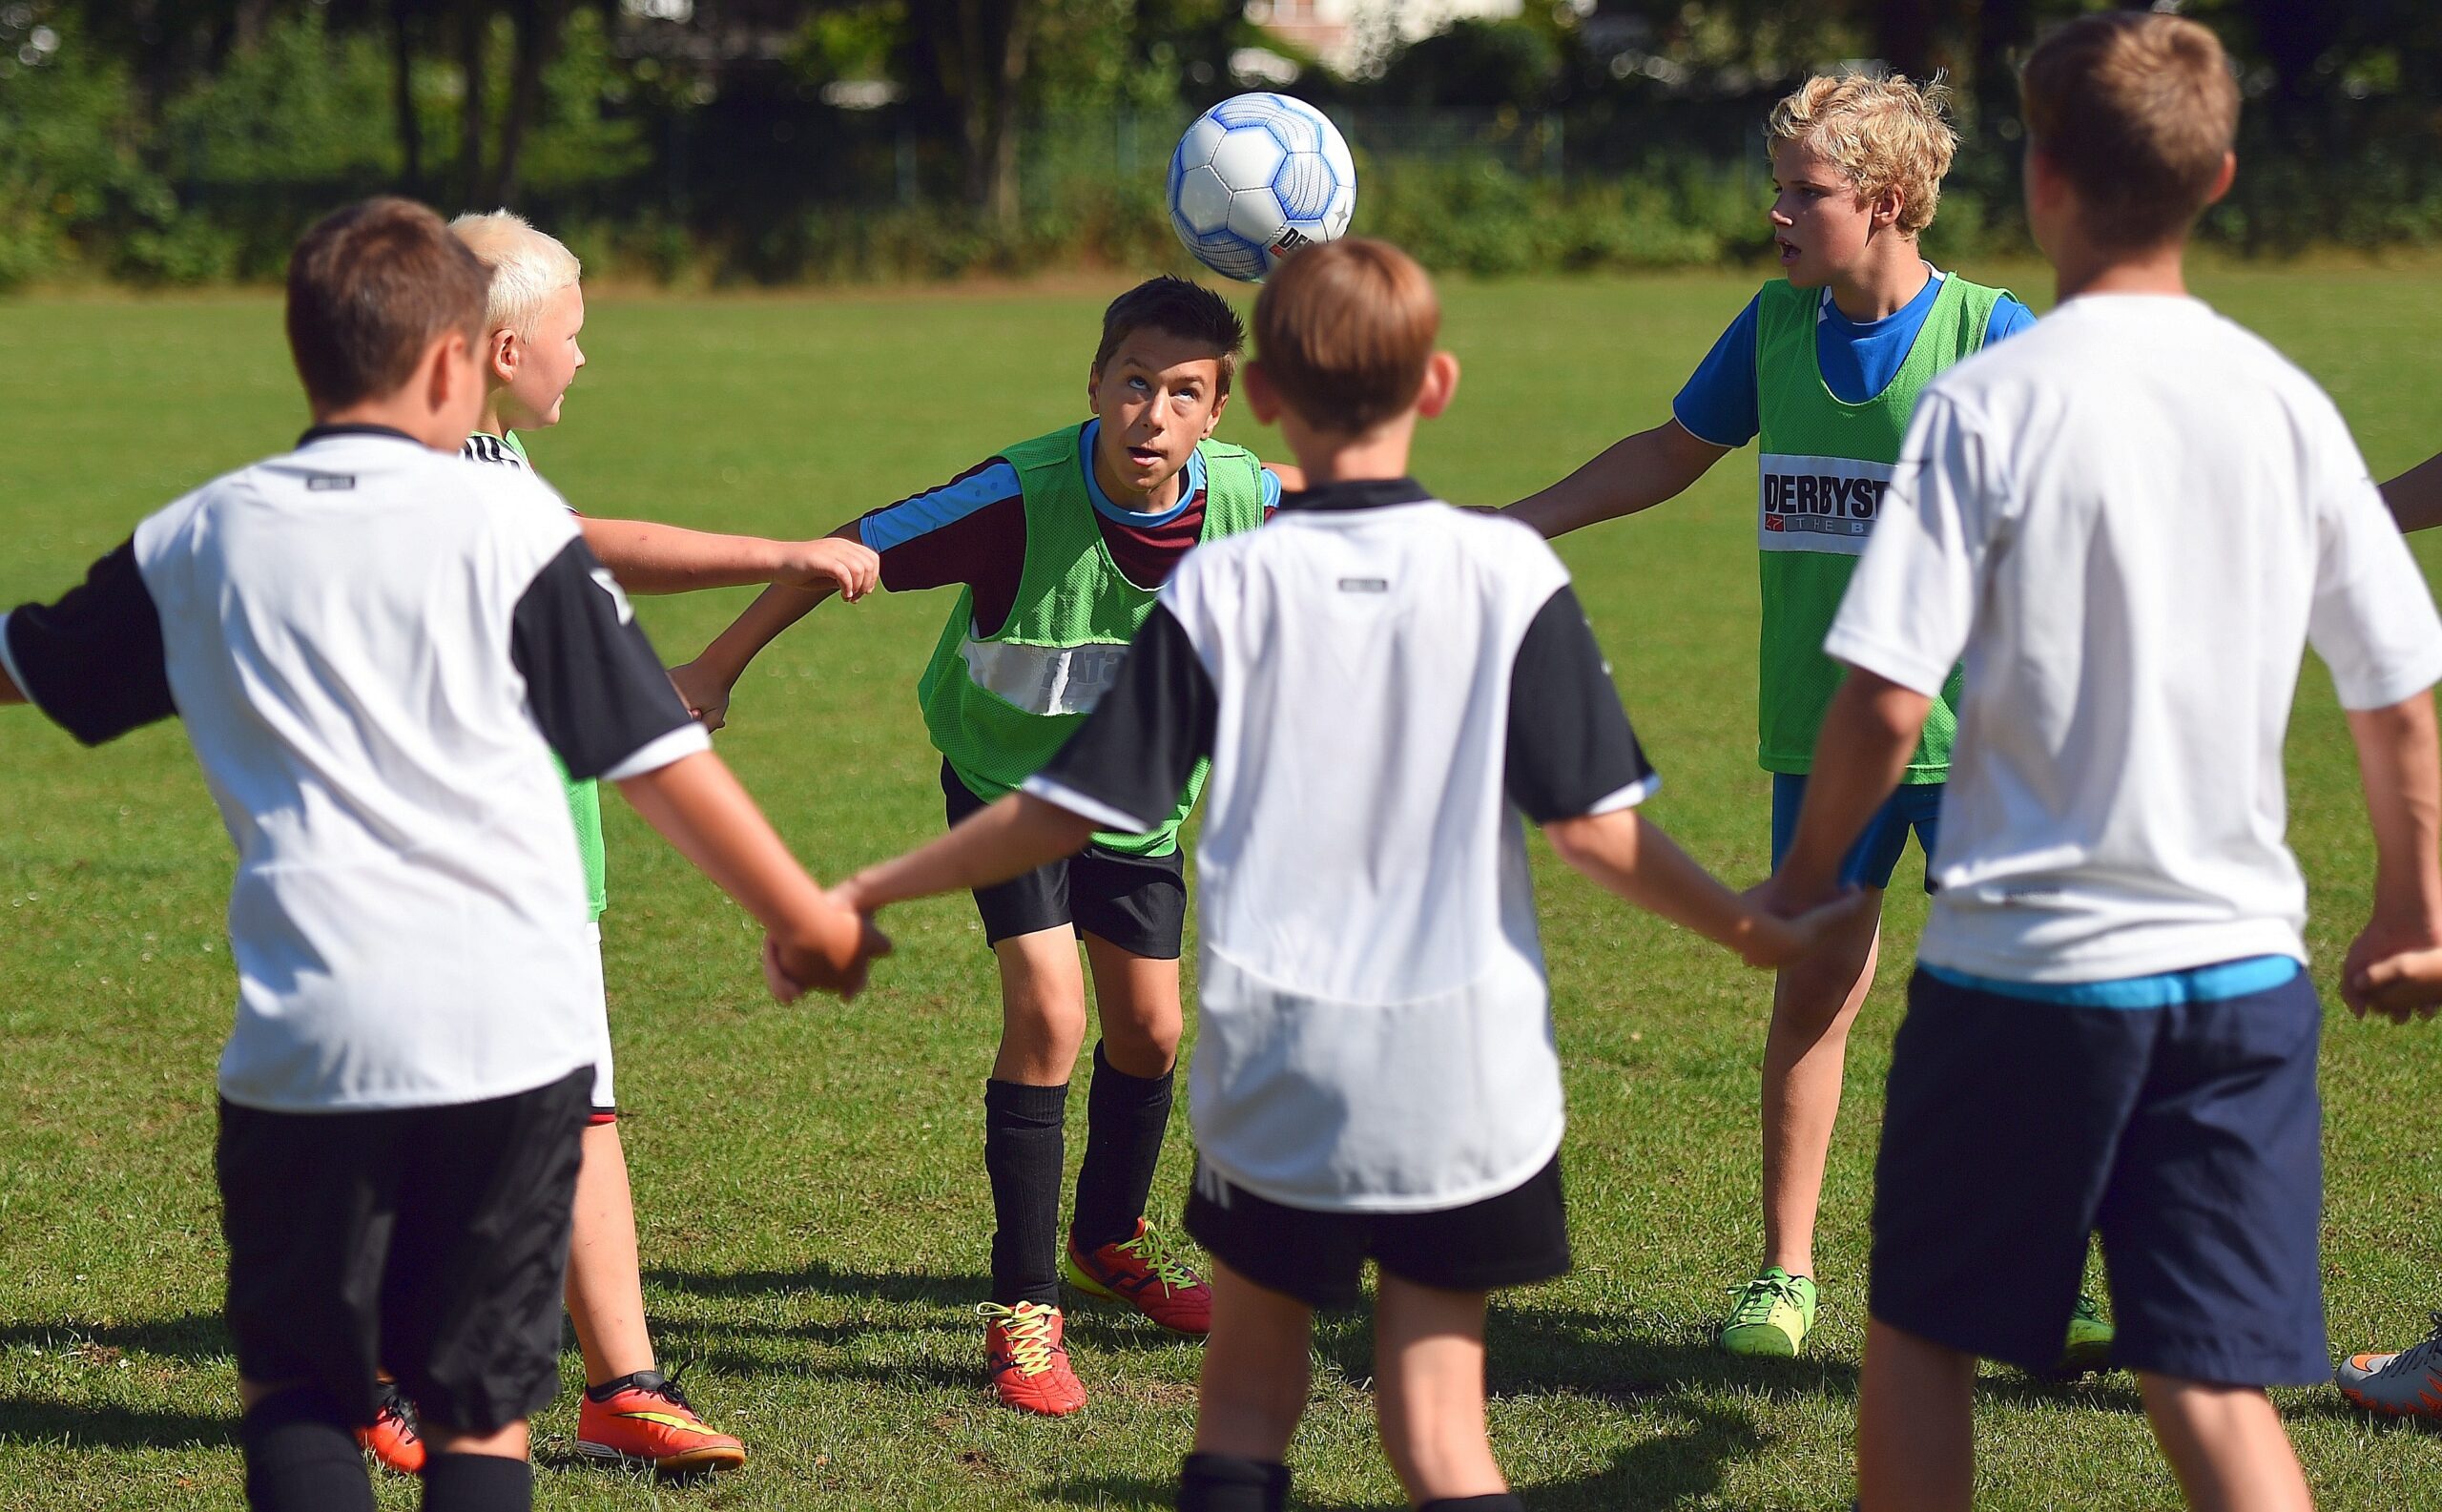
(829, 956)
(2394, 969)
(1795, 921)
(705, 694)
(851, 567)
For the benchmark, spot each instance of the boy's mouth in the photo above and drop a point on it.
(1146, 456)
(1788, 250)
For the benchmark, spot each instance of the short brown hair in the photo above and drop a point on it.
(1180, 308)
(1885, 133)
(1344, 331)
(2137, 109)
(368, 289)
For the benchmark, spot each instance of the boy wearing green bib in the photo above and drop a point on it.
(1058, 547)
(1822, 371)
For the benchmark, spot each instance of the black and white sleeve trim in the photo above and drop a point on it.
(1571, 750)
(1128, 762)
(595, 687)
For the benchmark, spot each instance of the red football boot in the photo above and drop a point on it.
(1028, 1363)
(645, 1420)
(1146, 1274)
(393, 1439)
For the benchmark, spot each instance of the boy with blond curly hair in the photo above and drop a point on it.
(1823, 369)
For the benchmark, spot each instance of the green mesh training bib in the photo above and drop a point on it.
(999, 706)
(1825, 466)
(584, 798)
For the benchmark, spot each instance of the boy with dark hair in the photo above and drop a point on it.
(1376, 680)
(403, 1091)
(1058, 546)
(2110, 990)
(1821, 369)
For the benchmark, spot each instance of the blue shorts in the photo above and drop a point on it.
(1877, 854)
(2188, 1136)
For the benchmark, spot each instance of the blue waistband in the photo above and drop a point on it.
(2227, 979)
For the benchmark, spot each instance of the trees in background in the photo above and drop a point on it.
(176, 140)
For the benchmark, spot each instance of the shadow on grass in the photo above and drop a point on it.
(902, 1287)
(26, 1419)
(1682, 1462)
(191, 1338)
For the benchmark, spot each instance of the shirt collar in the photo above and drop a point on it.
(1364, 493)
(329, 432)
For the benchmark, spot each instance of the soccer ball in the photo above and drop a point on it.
(1256, 177)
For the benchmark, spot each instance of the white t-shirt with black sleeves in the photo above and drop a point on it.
(375, 649)
(2131, 520)
(1381, 682)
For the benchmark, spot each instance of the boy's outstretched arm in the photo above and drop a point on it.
(705, 683)
(812, 940)
(2394, 967)
(653, 558)
(1008, 838)
(1869, 733)
(1633, 474)
(1622, 853)
(2415, 496)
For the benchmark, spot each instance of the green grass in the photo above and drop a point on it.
(813, 1210)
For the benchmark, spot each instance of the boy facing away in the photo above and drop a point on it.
(1823, 369)
(631, 1413)
(1376, 680)
(403, 1091)
(1058, 546)
(2131, 520)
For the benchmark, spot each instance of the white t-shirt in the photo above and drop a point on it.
(376, 648)
(1382, 683)
(2130, 521)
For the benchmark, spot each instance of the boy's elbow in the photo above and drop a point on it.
(1587, 841)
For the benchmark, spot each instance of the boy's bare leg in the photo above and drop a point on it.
(2227, 1445)
(606, 1294)
(1429, 1390)
(1043, 1008)
(1805, 1056)
(1137, 999)
(1256, 1370)
(1915, 1424)
(506, 1444)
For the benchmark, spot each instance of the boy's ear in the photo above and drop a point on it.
(1261, 398)
(502, 354)
(1220, 403)
(1440, 385)
(440, 374)
(1093, 389)
(1887, 206)
(2223, 180)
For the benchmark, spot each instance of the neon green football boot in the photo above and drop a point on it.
(2089, 1345)
(1772, 1316)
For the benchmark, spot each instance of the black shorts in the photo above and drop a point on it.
(1136, 902)
(432, 1242)
(2188, 1136)
(1513, 1239)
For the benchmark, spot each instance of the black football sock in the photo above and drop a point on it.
(1023, 1154)
(477, 1483)
(1126, 1117)
(1498, 1501)
(1229, 1483)
(301, 1456)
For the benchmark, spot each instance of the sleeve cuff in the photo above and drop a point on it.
(1908, 669)
(1059, 794)
(1627, 798)
(660, 752)
(2358, 697)
(1680, 415)
(9, 661)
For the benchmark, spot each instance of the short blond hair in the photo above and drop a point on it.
(2138, 111)
(527, 267)
(1885, 132)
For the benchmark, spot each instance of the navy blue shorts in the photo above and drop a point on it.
(2188, 1136)
(1877, 854)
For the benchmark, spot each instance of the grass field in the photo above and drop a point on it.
(811, 1195)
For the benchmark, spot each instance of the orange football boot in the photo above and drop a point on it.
(1030, 1365)
(1146, 1274)
(645, 1420)
(393, 1439)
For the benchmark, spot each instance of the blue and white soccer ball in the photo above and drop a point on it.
(1256, 177)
